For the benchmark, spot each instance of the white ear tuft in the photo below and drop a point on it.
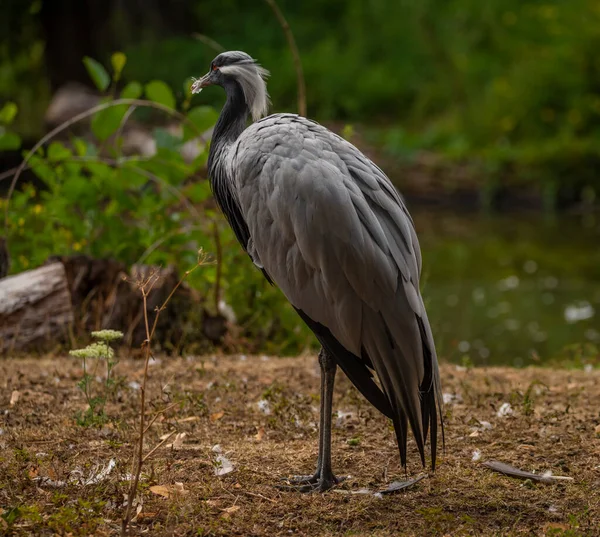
(251, 77)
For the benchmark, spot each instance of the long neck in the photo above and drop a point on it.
(230, 125)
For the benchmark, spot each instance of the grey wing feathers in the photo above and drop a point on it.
(335, 236)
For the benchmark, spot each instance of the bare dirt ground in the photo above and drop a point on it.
(56, 477)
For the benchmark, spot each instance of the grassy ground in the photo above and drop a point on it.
(554, 426)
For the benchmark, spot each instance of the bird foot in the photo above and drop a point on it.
(311, 483)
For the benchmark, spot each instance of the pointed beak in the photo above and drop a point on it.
(201, 83)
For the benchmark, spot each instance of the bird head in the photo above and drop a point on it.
(237, 69)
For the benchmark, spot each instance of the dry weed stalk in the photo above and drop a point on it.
(145, 286)
(289, 35)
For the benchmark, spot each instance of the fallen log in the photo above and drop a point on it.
(35, 307)
(70, 296)
(106, 295)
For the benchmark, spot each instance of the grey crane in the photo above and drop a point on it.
(325, 224)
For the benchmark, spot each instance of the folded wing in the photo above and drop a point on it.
(331, 231)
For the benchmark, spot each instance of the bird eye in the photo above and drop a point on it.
(214, 68)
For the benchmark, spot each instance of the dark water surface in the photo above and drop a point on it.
(512, 289)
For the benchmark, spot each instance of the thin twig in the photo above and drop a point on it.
(159, 445)
(139, 459)
(117, 163)
(295, 54)
(258, 496)
(201, 261)
(119, 132)
(219, 251)
(8, 173)
(165, 238)
(146, 287)
(209, 42)
(79, 117)
(159, 413)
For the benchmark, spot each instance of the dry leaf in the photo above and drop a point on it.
(217, 415)
(51, 473)
(227, 512)
(178, 489)
(161, 490)
(237, 486)
(597, 430)
(188, 419)
(145, 516)
(259, 435)
(14, 397)
(169, 490)
(33, 472)
(178, 442)
(212, 503)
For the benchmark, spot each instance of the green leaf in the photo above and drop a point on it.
(107, 121)
(198, 192)
(118, 61)
(10, 515)
(166, 140)
(97, 73)
(133, 90)
(187, 86)
(58, 152)
(9, 141)
(41, 168)
(159, 92)
(8, 113)
(203, 118)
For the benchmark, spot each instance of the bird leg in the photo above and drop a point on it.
(323, 478)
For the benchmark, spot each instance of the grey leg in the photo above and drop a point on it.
(323, 479)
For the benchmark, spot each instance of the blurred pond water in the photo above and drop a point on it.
(512, 289)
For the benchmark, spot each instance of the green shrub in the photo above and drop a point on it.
(156, 209)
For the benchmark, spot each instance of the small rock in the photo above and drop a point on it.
(14, 397)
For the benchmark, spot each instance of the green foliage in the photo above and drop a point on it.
(511, 84)
(118, 61)
(106, 122)
(154, 209)
(8, 113)
(8, 140)
(133, 90)
(159, 92)
(97, 73)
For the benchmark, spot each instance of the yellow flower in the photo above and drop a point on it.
(77, 246)
(21, 222)
(37, 209)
